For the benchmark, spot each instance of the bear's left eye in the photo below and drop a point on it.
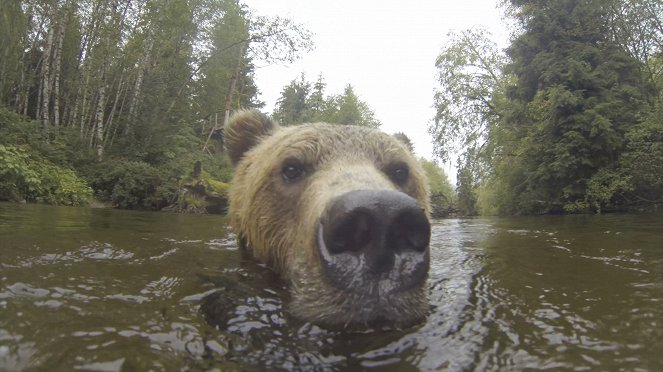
(398, 173)
(292, 171)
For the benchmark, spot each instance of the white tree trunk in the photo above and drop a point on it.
(133, 103)
(99, 121)
(57, 68)
(46, 81)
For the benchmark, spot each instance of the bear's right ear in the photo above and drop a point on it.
(244, 130)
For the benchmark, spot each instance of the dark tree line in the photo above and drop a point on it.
(304, 102)
(138, 81)
(567, 119)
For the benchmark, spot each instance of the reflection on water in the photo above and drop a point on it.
(115, 290)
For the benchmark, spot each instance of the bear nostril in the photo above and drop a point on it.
(374, 237)
(353, 234)
(410, 230)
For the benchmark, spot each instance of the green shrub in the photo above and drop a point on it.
(131, 184)
(605, 187)
(643, 158)
(16, 130)
(18, 178)
(31, 178)
(61, 186)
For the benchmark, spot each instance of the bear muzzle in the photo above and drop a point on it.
(374, 243)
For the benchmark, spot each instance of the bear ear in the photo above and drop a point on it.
(244, 130)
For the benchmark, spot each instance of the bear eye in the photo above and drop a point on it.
(292, 171)
(398, 173)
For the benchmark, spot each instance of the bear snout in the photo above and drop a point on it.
(374, 242)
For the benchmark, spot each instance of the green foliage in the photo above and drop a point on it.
(642, 161)
(125, 93)
(38, 171)
(467, 102)
(34, 179)
(442, 195)
(66, 149)
(466, 190)
(348, 109)
(472, 172)
(131, 185)
(216, 187)
(228, 64)
(492, 198)
(293, 106)
(13, 28)
(14, 129)
(18, 178)
(636, 26)
(604, 188)
(583, 93)
(555, 126)
(61, 186)
(298, 104)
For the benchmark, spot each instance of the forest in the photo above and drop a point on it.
(567, 119)
(122, 103)
(118, 101)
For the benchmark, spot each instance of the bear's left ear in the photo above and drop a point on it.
(244, 130)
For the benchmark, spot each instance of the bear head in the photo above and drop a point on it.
(340, 212)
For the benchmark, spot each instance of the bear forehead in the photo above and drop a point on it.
(315, 143)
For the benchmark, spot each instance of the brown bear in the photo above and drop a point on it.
(340, 212)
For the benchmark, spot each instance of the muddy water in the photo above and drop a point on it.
(84, 289)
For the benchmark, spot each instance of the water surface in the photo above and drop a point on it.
(98, 289)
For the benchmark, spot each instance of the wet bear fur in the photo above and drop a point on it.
(285, 179)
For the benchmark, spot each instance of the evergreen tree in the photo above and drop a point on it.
(466, 190)
(292, 107)
(576, 95)
(316, 101)
(298, 104)
(348, 109)
(442, 196)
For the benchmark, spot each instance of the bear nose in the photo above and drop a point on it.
(378, 228)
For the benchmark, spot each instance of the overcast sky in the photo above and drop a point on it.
(385, 48)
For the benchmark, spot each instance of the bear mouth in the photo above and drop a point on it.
(370, 276)
(373, 253)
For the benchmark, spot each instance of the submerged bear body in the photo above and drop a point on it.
(340, 212)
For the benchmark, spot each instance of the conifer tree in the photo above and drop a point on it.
(576, 95)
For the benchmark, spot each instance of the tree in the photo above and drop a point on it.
(637, 26)
(467, 102)
(316, 100)
(14, 26)
(642, 161)
(442, 195)
(556, 124)
(139, 80)
(298, 104)
(576, 94)
(293, 106)
(466, 186)
(469, 106)
(348, 109)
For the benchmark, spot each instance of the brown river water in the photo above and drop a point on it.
(110, 290)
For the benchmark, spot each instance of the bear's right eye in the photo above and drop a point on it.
(292, 171)
(399, 173)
